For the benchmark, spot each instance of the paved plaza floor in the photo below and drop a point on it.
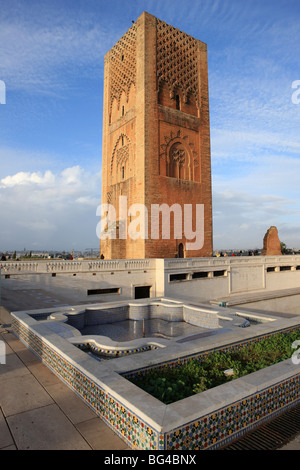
(39, 412)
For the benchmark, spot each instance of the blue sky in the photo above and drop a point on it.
(51, 61)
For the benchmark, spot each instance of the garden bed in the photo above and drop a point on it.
(171, 384)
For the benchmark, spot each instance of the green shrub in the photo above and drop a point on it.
(171, 384)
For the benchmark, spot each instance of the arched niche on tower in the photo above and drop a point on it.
(179, 159)
(122, 104)
(178, 162)
(178, 99)
(121, 162)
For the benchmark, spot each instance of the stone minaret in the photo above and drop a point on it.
(156, 139)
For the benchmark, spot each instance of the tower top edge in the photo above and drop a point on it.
(148, 16)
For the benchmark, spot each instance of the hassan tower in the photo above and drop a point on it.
(156, 144)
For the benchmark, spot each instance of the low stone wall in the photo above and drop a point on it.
(176, 312)
(201, 278)
(213, 278)
(74, 266)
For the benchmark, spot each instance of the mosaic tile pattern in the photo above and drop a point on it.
(219, 428)
(113, 353)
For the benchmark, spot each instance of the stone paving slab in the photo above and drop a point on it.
(248, 297)
(100, 436)
(39, 412)
(45, 428)
(20, 394)
(14, 367)
(293, 445)
(6, 439)
(73, 406)
(44, 375)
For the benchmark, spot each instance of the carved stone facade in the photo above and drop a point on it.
(156, 136)
(177, 63)
(178, 158)
(122, 67)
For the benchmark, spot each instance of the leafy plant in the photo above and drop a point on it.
(171, 384)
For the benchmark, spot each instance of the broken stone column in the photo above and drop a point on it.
(271, 245)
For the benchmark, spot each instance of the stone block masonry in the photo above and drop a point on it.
(271, 244)
(156, 134)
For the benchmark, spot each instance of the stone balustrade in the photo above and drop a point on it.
(74, 266)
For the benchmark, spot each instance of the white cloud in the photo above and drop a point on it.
(88, 201)
(72, 175)
(49, 209)
(242, 217)
(249, 145)
(27, 178)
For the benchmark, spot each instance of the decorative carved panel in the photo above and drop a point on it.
(178, 158)
(123, 66)
(120, 160)
(177, 61)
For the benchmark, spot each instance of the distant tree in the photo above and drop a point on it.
(14, 255)
(284, 249)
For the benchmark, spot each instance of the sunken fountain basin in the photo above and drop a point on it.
(208, 420)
